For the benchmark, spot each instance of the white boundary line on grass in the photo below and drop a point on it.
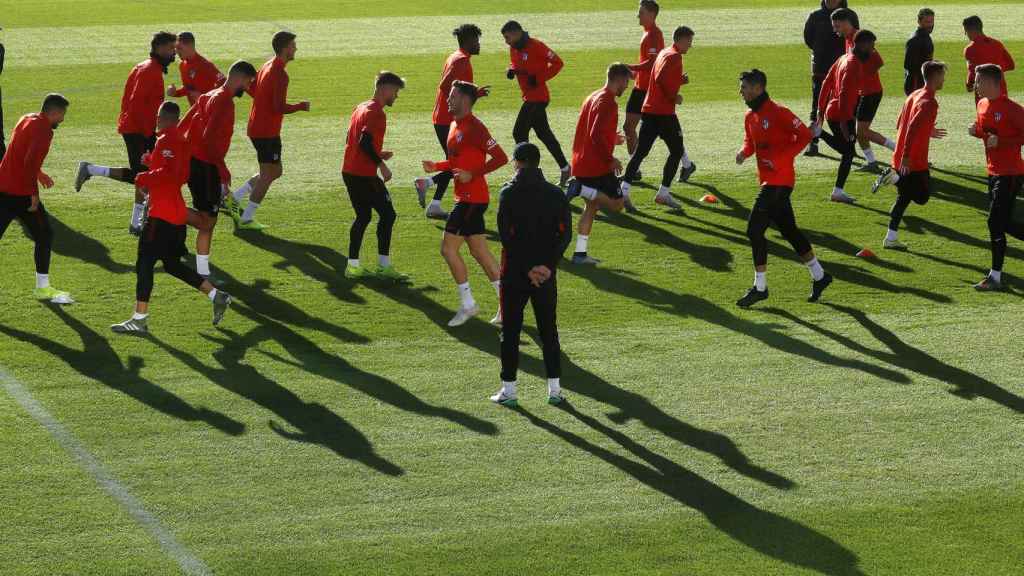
(189, 562)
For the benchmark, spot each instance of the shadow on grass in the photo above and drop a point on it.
(99, 362)
(765, 532)
(71, 243)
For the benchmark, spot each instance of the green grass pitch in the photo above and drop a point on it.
(331, 427)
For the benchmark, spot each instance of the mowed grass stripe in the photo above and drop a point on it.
(563, 32)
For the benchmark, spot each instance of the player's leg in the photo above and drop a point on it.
(524, 123)
(899, 207)
(386, 216)
(542, 127)
(757, 224)
(686, 166)
(268, 153)
(37, 224)
(999, 216)
(645, 141)
(359, 193)
(145, 262)
(513, 300)
(633, 111)
(451, 242)
(205, 186)
(671, 133)
(136, 146)
(785, 220)
(171, 257)
(844, 146)
(599, 193)
(439, 181)
(482, 254)
(545, 312)
(583, 228)
(816, 82)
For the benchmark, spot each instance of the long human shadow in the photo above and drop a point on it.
(949, 191)
(313, 422)
(765, 532)
(706, 256)
(71, 243)
(629, 405)
(977, 178)
(905, 356)
(99, 362)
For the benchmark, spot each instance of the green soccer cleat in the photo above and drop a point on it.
(53, 295)
(388, 273)
(233, 208)
(556, 399)
(357, 273)
(505, 400)
(252, 226)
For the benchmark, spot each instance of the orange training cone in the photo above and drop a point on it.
(709, 199)
(866, 253)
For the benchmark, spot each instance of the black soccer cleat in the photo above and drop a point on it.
(753, 296)
(685, 173)
(573, 189)
(819, 286)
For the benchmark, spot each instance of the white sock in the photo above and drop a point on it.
(581, 242)
(212, 294)
(664, 191)
(554, 386)
(242, 192)
(869, 154)
(817, 272)
(497, 288)
(467, 296)
(996, 275)
(95, 170)
(509, 388)
(892, 235)
(760, 282)
(203, 264)
(686, 161)
(42, 280)
(384, 260)
(624, 188)
(250, 211)
(139, 316)
(588, 193)
(890, 144)
(353, 262)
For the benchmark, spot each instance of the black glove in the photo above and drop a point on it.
(510, 73)
(531, 81)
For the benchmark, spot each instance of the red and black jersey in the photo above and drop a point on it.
(198, 76)
(143, 95)
(30, 143)
(666, 80)
(168, 172)
(593, 148)
(776, 136)
(914, 130)
(469, 144)
(841, 89)
(208, 128)
(538, 62)
(269, 100)
(1005, 119)
(367, 118)
(456, 67)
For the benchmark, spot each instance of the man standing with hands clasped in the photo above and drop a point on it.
(535, 228)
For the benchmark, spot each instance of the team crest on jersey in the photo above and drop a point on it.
(458, 137)
(999, 116)
(765, 124)
(525, 56)
(797, 123)
(191, 73)
(491, 143)
(168, 153)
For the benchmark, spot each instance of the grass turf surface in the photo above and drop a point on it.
(332, 427)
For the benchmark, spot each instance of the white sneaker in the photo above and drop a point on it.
(505, 399)
(894, 244)
(435, 212)
(667, 200)
(463, 315)
(842, 197)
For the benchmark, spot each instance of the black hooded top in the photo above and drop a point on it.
(826, 47)
(534, 223)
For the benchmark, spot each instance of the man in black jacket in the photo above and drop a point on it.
(535, 228)
(826, 47)
(919, 50)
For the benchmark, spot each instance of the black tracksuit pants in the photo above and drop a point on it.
(441, 180)
(844, 147)
(652, 127)
(369, 194)
(515, 293)
(37, 224)
(534, 116)
(773, 205)
(1003, 191)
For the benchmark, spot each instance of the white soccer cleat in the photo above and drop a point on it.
(666, 199)
(463, 316)
(893, 244)
(842, 197)
(504, 399)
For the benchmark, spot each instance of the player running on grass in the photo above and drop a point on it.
(456, 67)
(143, 94)
(595, 168)
(208, 127)
(163, 234)
(21, 173)
(198, 75)
(915, 129)
(269, 105)
(365, 157)
(776, 137)
(469, 145)
(984, 50)
(651, 44)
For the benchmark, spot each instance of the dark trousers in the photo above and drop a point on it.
(534, 116)
(368, 194)
(137, 146)
(773, 205)
(515, 292)
(442, 179)
(652, 127)
(843, 146)
(914, 187)
(37, 225)
(1003, 191)
(164, 242)
(3, 143)
(816, 81)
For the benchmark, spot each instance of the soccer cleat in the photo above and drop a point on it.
(584, 260)
(556, 399)
(893, 244)
(357, 273)
(989, 284)
(220, 305)
(252, 226)
(812, 151)
(233, 208)
(871, 167)
(818, 286)
(504, 399)
(886, 178)
(131, 326)
(53, 295)
(842, 197)
(666, 199)
(753, 296)
(421, 185)
(83, 175)
(685, 173)
(389, 273)
(566, 174)
(573, 189)
(463, 316)
(435, 212)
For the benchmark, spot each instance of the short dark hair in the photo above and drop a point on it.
(924, 13)
(682, 32)
(755, 77)
(618, 70)
(527, 153)
(973, 23)
(466, 32)
(467, 88)
(170, 108)
(844, 14)
(932, 67)
(187, 37)
(281, 41)
(651, 6)
(864, 36)
(386, 78)
(54, 101)
(162, 38)
(991, 71)
(242, 68)
(511, 26)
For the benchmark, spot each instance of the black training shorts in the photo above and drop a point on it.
(268, 150)
(466, 219)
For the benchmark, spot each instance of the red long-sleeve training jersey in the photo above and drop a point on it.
(538, 61)
(469, 144)
(776, 136)
(143, 95)
(914, 130)
(30, 143)
(1004, 118)
(168, 172)
(593, 148)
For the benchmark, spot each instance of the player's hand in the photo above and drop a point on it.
(304, 105)
(970, 88)
(429, 166)
(387, 155)
(385, 172)
(904, 167)
(992, 141)
(620, 139)
(973, 129)
(35, 203)
(939, 133)
(45, 180)
(740, 158)
(510, 73)
(616, 166)
(686, 78)
(679, 99)
(463, 176)
(171, 90)
(483, 92)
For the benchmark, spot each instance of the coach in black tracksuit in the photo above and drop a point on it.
(535, 226)
(919, 49)
(826, 47)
